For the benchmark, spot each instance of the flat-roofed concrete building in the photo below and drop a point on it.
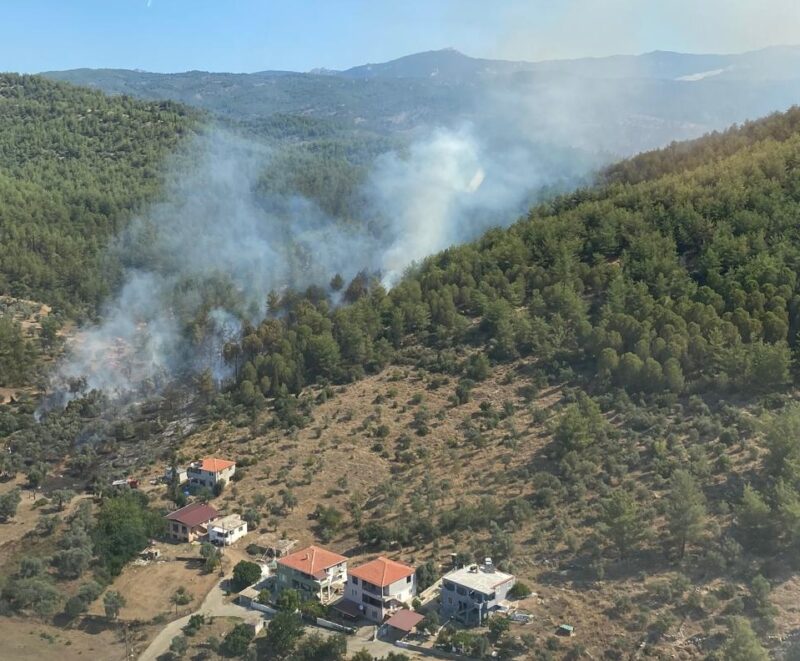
(471, 593)
(226, 530)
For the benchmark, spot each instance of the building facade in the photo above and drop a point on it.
(190, 523)
(471, 593)
(227, 530)
(314, 572)
(381, 587)
(209, 471)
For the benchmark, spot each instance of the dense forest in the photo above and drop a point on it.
(680, 283)
(75, 165)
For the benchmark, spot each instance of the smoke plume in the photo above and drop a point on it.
(196, 265)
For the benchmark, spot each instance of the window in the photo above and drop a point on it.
(354, 579)
(408, 578)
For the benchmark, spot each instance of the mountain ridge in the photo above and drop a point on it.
(438, 56)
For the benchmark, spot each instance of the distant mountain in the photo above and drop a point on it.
(446, 64)
(450, 65)
(625, 102)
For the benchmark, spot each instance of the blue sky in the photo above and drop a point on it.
(250, 35)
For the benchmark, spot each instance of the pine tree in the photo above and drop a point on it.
(622, 523)
(686, 510)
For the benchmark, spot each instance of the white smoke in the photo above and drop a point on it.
(207, 257)
(212, 251)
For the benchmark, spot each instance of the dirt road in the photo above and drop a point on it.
(216, 604)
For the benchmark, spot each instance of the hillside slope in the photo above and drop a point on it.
(74, 166)
(603, 398)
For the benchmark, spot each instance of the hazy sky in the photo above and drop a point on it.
(253, 35)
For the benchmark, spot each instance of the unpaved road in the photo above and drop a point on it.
(216, 604)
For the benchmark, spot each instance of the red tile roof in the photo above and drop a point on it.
(405, 620)
(382, 571)
(312, 560)
(194, 514)
(214, 465)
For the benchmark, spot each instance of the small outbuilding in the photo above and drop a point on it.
(399, 625)
(176, 473)
(150, 553)
(272, 546)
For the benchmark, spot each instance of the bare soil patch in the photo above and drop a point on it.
(147, 588)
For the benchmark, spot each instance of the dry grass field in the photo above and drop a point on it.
(25, 639)
(395, 446)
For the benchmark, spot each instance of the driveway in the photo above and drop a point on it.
(216, 604)
(362, 639)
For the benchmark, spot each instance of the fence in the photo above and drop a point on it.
(327, 624)
(430, 651)
(269, 610)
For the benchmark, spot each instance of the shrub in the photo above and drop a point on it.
(519, 590)
(245, 573)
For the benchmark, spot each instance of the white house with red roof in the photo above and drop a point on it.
(209, 471)
(314, 572)
(381, 587)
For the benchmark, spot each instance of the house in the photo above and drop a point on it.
(188, 523)
(314, 572)
(176, 472)
(470, 593)
(210, 471)
(226, 530)
(381, 587)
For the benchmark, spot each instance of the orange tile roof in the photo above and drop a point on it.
(382, 571)
(214, 465)
(312, 560)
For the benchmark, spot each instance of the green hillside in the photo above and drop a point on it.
(74, 166)
(684, 282)
(602, 397)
